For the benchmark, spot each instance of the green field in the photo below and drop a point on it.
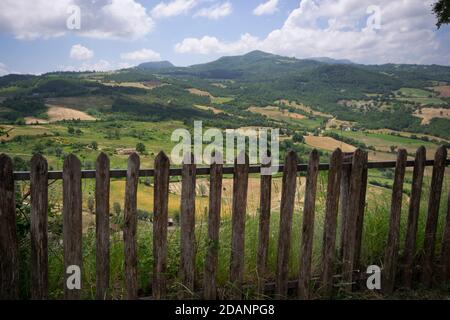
(420, 96)
(55, 141)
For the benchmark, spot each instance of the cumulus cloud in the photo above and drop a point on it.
(404, 33)
(173, 8)
(4, 69)
(140, 55)
(216, 11)
(79, 52)
(104, 19)
(100, 65)
(210, 45)
(269, 7)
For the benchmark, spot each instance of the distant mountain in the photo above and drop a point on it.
(10, 79)
(248, 66)
(156, 65)
(331, 61)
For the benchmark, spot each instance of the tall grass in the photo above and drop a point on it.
(376, 224)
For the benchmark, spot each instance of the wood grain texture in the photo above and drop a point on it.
(306, 248)
(130, 227)
(344, 202)
(102, 225)
(264, 229)
(433, 213)
(239, 211)
(392, 246)
(330, 225)
(9, 249)
(212, 252)
(348, 252)
(160, 212)
(413, 217)
(187, 237)
(288, 190)
(360, 217)
(72, 221)
(39, 227)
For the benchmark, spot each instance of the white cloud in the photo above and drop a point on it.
(100, 65)
(210, 45)
(338, 29)
(110, 19)
(79, 52)
(143, 54)
(269, 7)
(4, 69)
(173, 8)
(216, 11)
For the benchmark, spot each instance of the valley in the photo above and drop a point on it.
(315, 104)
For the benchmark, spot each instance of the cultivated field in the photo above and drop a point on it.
(328, 143)
(149, 85)
(301, 106)
(276, 113)
(215, 100)
(443, 91)
(430, 113)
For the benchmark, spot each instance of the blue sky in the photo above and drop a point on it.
(34, 37)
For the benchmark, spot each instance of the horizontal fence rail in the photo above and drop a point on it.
(344, 215)
(177, 172)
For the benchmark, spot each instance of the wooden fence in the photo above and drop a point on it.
(346, 193)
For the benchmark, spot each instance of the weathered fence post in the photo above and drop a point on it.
(102, 225)
(39, 212)
(348, 252)
(187, 221)
(347, 159)
(264, 225)
(360, 215)
(286, 214)
(308, 226)
(72, 227)
(130, 227)
(445, 251)
(413, 216)
(211, 259)
(9, 249)
(160, 220)
(240, 186)
(329, 231)
(433, 213)
(390, 255)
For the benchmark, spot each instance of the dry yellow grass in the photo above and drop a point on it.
(429, 113)
(303, 107)
(139, 85)
(276, 113)
(198, 92)
(59, 113)
(33, 120)
(444, 91)
(328, 143)
(214, 110)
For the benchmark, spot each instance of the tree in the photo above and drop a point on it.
(442, 11)
(94, 145)
(297, 137)
(140, 147)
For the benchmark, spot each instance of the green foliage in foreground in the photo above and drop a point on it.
(374, 240)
